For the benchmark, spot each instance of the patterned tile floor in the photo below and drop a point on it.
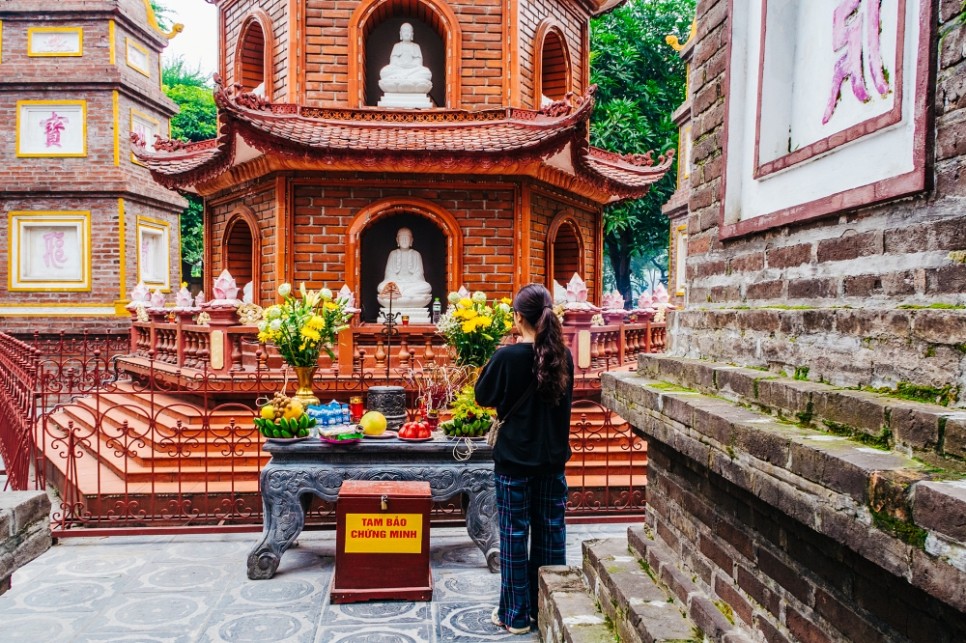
(195, 588)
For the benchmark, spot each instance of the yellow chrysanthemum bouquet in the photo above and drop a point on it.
(301, 328)
(473, 327)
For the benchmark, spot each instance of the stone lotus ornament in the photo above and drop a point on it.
(157, 298)
(183, 298)
(141, 293)
(345, 294)
(247, 293)
(225, 288)
(645, 300)
(660, 294)
(559, 293)
(612, 301)
(576, 289)
(200, 298)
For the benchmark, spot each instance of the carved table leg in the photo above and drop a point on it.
(284, 518)
(482, 525)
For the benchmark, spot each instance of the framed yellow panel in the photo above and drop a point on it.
(137, 57)
(112, 39)
(49, 128)
(146, 127)
(50, 251)
(55, 41)
(154, 253)
(1, 41)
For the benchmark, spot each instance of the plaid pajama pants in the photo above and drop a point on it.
(531, 512)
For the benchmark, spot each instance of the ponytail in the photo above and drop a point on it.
(534, 303)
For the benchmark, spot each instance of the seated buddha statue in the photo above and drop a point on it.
(405, 268)
(405, 80)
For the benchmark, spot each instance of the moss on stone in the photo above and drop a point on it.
(943, 395)
(882, 441)
(670, 387)
(801, 373)
(934, 306)
(906, 531)
(726, 609)
(647, 569)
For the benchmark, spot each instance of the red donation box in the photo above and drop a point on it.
(382, 541)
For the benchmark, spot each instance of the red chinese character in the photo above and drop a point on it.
(847, 33)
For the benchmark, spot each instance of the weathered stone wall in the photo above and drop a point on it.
(859, 278)
(24, 531)
(794, 532)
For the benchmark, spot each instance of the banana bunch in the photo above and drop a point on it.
(284, 417)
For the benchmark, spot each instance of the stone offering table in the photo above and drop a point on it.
(296, 471)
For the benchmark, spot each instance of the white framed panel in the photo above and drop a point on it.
(147, 127)
(153, 251)
(680, 259)
(55, 41)
(816, 92)
(137, 57)
(49, 251)
(47, 128)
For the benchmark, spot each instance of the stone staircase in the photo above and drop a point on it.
(629, 590)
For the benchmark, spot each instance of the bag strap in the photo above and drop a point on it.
(516, 405)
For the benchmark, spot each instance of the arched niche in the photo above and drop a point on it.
(374, 29)
(372, 236)
(552, 69)
(565, 250)
(241, 249)
(253, 54)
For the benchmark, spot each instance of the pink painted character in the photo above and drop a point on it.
(53, 127)
(847, 33)
(54, 254)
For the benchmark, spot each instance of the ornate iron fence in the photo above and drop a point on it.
(135, 443)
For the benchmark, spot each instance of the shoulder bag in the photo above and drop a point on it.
(498, 422)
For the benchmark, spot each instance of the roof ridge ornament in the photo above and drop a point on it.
(567, 105)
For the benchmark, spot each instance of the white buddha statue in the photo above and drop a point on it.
(405, 268)
(405, 80)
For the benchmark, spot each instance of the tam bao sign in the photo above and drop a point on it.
(383, 533)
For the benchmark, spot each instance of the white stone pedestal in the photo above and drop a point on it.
(416, 315)
(407, 101)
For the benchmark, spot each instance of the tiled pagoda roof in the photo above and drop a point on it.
(505, 141)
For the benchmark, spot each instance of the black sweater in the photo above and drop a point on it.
(535, 438)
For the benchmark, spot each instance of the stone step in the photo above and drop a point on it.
(640, 608)
(629, 590)
(567, 611)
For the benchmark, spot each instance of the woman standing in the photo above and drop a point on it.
(535, 379)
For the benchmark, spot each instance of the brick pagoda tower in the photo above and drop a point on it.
(317, 165)
(84, 222)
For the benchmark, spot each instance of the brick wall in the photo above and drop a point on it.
(544, 210)
(324, 208)
(485, 216)
(277, 10)
(260, 199)
(780, 578)
(793, 533)
(574, 22)
(859, 276)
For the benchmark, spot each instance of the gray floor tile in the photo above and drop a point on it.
(195, 588)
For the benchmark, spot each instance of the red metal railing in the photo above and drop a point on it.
(158, 438)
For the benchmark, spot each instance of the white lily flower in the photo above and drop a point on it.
(285, 289)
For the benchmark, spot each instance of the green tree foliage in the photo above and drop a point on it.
(197, 121)
(641, 81)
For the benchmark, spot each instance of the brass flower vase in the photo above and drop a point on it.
(304, 392)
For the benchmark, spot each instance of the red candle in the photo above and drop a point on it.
(355, 408)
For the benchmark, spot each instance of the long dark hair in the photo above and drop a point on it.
(535, 305)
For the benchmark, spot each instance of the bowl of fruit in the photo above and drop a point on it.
(284, 420)
(415, 432)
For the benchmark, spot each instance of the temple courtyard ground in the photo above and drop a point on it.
(195, 588)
